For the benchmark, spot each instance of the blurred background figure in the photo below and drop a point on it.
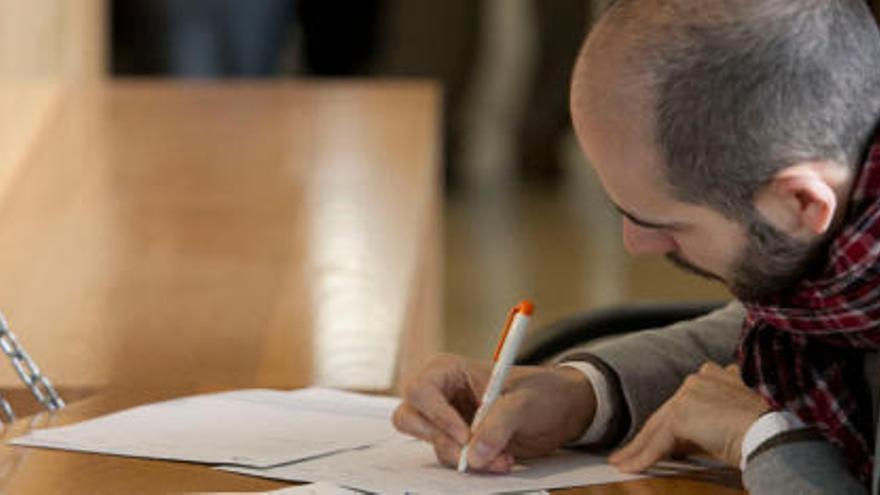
(243, 38)
(215, 38)
(339, 37)
(560, 26)
(439, 40)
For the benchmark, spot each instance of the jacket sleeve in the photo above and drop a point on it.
(811, 467)
(646, 368)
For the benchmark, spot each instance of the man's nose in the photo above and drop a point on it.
(640, 240)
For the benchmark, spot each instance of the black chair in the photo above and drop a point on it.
(550, 341)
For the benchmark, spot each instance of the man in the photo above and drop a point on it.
(736, 137)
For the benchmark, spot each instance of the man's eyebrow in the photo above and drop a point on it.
(644, 223)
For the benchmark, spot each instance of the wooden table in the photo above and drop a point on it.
(162, 240)
(176, 235)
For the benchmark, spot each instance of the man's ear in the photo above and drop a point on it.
(801, 200)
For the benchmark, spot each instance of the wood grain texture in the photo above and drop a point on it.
(164, 240)
(240, 234)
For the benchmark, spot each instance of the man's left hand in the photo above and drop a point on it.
(709, 414)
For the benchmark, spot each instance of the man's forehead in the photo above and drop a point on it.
(604, 70)
(615, 112)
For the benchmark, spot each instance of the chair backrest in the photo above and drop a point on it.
(550, 341)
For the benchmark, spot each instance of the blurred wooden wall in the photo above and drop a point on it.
(45, 47)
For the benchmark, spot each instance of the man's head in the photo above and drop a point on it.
(728, 132)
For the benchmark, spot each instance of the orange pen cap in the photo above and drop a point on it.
(524, 307)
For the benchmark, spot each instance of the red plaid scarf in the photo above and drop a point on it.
(804, 352)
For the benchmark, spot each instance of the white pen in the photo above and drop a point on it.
(505, 353)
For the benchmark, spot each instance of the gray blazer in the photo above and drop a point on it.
(648, 367)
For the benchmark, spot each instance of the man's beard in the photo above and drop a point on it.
(772, 263)
(679, 261)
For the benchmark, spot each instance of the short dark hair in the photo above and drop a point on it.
(756, 86)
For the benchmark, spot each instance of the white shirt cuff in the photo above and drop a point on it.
(602, 418)
(765, 428)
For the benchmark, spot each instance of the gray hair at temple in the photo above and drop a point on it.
(745, 88)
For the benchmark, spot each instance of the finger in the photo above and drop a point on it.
(493, 434)
(661, 444)
(501, 464)
(631, 449)
(712, 371)
(728, 375)
(410, 421)
(446, 449)
(433, 405)
(641, 439)
(711, 368)
(478, 373)
(735, 371)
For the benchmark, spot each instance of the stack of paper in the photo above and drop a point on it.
(255, 428)
(341, 439)
(405, 466)
(323, 489)
(310, 489)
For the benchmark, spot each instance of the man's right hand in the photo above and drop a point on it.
(540, 409)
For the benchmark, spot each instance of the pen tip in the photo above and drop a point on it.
(462, 460)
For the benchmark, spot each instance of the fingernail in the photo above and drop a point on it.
(480, 454)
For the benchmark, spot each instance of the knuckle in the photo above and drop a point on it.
(411, 391)
(691, 381)
(416, 394)
(515, 402)
(444, 360)
(685, 386)
(494, 437)
(444, 422)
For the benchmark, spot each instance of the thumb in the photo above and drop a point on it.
(493, 434)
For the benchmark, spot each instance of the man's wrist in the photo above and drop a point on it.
(596, 429)
(765, 428)
(583, 406)
(610, 420)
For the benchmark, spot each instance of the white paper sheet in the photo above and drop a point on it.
(256, 428)
(405, 466)
(310, 489)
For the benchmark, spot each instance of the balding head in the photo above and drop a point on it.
(728, 132)
(723, 94)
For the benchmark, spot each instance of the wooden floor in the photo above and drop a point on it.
(559, 245)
